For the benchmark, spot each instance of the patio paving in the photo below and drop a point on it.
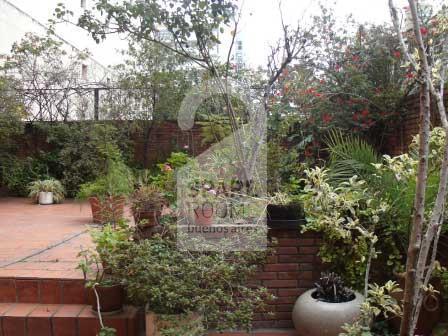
(42, 241)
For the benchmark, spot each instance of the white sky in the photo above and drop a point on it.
(261, 24)
(259, 28)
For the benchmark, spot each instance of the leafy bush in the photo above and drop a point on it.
(75, 156)
(116, 181)
(17, 174)
(375, 310)
(171, 281)
(346, 215)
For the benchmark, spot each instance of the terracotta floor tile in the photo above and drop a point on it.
(71, 310)
(20, 310)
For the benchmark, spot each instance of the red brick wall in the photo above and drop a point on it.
(292, 270)
(164, 138)
(409, 126)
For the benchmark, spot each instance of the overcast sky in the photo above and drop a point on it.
(260, 26)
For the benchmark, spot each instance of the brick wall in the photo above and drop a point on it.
(163, 138)
(292, 270)
(398, 143)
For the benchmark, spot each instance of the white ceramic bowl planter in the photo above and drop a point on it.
(313, 317)
(45, 197)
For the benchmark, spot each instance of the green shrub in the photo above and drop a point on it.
(171, 281)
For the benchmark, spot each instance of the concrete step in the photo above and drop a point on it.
(31, 319)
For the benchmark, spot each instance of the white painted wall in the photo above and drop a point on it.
(17, 17)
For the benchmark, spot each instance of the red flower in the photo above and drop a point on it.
(308, 152)
(423, 31)
(318, 95)
(364, 113)
(310, 91)
(355, 117)
(409, 75)
(326, 118)
(397, 54)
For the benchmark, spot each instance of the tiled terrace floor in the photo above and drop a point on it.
(42, 241)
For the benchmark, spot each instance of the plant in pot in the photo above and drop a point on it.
(284, 210)
(146, 204)
(324, 310)
(107, 194)
(46, 191)
(202, 198)
(105, 291)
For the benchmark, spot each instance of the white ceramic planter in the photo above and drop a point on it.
(312, 317)
(45, 197)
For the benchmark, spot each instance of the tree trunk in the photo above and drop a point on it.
(418, 219)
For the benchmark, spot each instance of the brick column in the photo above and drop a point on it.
(292, 270)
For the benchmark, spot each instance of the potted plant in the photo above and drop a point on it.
(105, 291)
(204, 199)
(46, 191)
(284, 210)
(146, 204)
(107, 194)
(324, 310)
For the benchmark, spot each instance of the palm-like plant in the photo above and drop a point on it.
(349, 156)
(50, 185)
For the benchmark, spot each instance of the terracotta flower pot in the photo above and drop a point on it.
(313, 317)
(178, 324)
(203, 216)
(107, 209)
(147, 218)
(111, 298)
(430, 313)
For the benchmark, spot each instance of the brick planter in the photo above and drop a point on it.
(291, 271)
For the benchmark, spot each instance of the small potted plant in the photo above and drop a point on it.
(146, 204)
(46, 191)
(323, 311)
(105, 292)
(284, 210)
(107, 194)
(204, 199)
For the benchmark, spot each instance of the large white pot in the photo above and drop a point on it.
(45, 197)
(312, 317)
